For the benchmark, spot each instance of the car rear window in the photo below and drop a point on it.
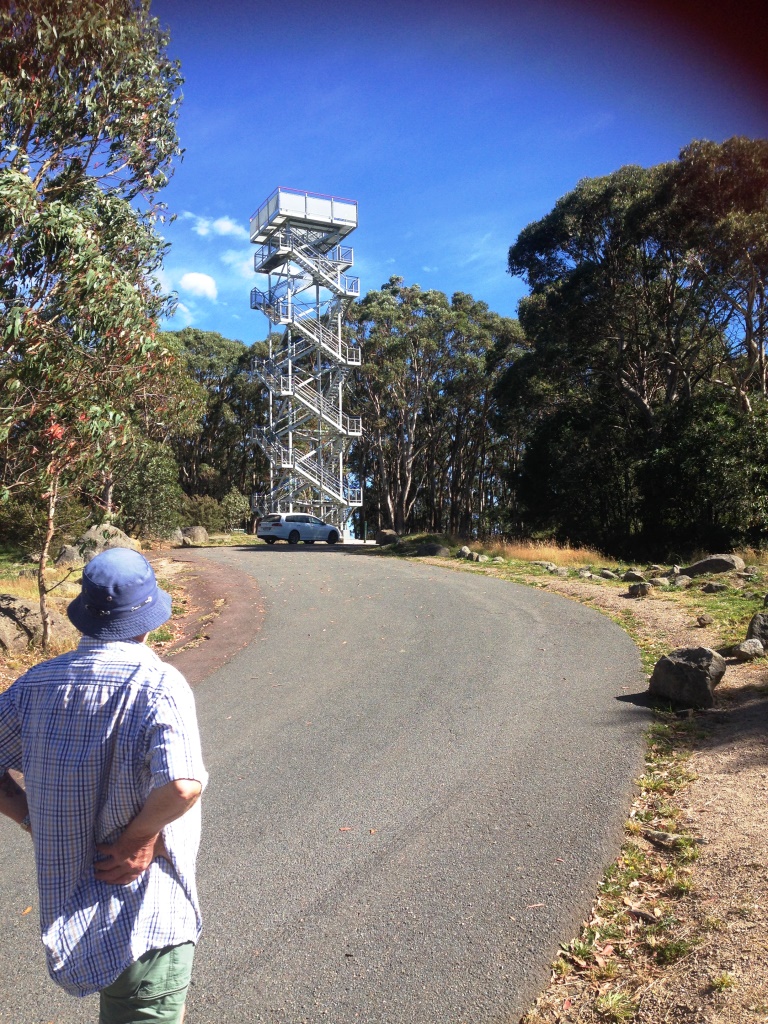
(271, 519)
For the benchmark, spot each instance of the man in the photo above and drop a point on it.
(106, 737)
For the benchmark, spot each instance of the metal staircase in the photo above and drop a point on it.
(308, 292)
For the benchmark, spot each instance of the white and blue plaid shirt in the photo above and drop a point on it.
(94, 731)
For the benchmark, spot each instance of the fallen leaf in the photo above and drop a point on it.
(567, 1004)
(372, 831)
(532, 905)
(345, 828)
(27, 911)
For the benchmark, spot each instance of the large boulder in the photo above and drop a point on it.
(424, 550)
(714, 588)
(633, 576)
(176, 538)
(195, 535)
(22, 626)
(608, 575)
(688, 676)
(758, 628)
(640, 589)
(715, 563)
(748, 650)
(99, 538)
(386, 537)
(69, 555)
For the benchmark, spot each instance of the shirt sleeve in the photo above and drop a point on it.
(10, 733)
(173, 739)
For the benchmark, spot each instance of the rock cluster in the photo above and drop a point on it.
(22, 625)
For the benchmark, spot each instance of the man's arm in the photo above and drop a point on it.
(13, 799)
(141, 841)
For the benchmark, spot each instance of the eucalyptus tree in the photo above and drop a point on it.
(646, 306)
(426, 394)
(400, 329)
(218, 455)
(89, 101)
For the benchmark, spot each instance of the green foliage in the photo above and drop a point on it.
(425, 392)
(202, 510)
(236, 509)
(218, 455)
(89, 104)
(641, 403)
(148, 496)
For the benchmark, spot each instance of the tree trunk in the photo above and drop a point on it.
(50, 527)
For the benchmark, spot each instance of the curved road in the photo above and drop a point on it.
(417, 777)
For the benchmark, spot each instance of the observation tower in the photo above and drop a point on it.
(298, 235)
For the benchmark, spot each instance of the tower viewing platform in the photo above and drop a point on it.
(308, 292)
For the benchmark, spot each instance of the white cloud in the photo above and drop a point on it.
(183, 316)
(199, 284)
(240, 260)
(221, 226)
(227, 226)
(429, 270)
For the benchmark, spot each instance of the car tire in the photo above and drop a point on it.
(332, 537)
(269, 540)
(294, 537)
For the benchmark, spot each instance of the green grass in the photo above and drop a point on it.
(616, 1007)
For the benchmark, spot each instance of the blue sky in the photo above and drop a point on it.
(452, 124)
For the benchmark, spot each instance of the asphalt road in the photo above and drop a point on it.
(417, 777)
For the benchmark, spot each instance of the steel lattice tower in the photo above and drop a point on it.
(308, 432)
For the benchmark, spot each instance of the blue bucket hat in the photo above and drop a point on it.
(120, 598)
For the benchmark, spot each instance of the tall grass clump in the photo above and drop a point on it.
(544, 551)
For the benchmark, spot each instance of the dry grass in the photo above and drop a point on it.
(543, 551)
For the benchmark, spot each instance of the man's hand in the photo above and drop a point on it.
(141, 842)
(128, 858)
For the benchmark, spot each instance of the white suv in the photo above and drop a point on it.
(296, 526)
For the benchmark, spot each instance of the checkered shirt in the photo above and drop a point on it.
(94, 731)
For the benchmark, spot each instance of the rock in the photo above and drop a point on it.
(474, 556)
(585, 574)
(753, 570)
(432, 549)
(715, 563)
(640, 589)
(674, 571)
(498, 560)
(549, 566)
(186, 542)
(657, 570)
(176, 538)
(705, 620)
(682, 582)
(746, 575)
(99, 538)
(199, 535)
(608, 575)
(688, 676)
(748, 650)
(464, 552)
(21, 624)
(758, 628)
(714, 588)
(561, 571)
(658, 581)
(633, 576)
(69, 555)
(483, 558)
